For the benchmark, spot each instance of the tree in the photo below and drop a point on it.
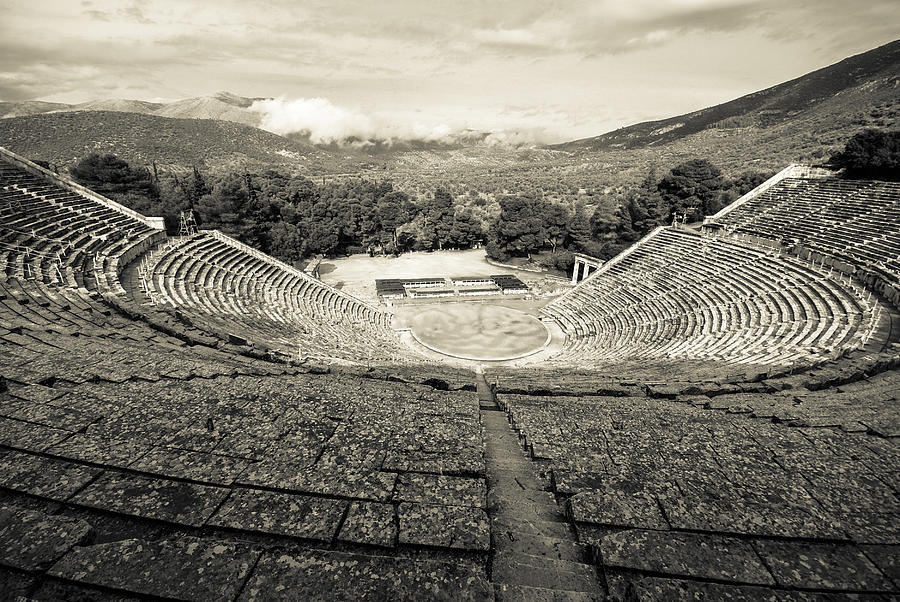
(871, 154)
(286, 242)
(556, 219)
(605, 219)
(518, 230)
(439, 216)
(747, 181)
(110, 175)
(392, 211)
(220, 209)
(466, 230)
(578, 231)
(692, 188)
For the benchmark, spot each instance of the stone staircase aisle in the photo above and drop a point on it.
(535, 554)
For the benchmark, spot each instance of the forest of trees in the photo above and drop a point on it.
(871, 154)
(292, 217)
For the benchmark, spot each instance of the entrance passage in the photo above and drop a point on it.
(474, 331)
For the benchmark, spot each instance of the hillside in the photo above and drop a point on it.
(63, 138)
(874, 73)
(30, 107)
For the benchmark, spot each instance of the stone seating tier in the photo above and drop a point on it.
(682, 295)
(225, 290)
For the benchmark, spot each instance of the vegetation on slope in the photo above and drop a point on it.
(177, 144)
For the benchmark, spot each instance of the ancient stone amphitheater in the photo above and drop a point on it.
(187, 418)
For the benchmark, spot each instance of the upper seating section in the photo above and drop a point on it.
(678, 294)
(227, 288)
(54, 234)
(857, 221)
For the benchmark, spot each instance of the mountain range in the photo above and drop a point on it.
(222, 105)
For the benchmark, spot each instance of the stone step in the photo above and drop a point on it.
(502, 477)
(525, 509)
(537, 571)
(523, 593)
(532, 527)
(554, 548)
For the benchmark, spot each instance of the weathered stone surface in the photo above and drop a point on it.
(821, 566)
(533, 571)
(33, 540)
(685, 554)
(466, 460)
(15, 585)
(195, 466)
(658, 589)
(159, 499)
(524, 593)
(316, 575)
(746, 518)
(325, 480)
(459, 527)
(29, 436)
(870, 527)
(370, 523)
(67, 419)
(437, 489)
(617, 506)
(36, 393)
(44, 477)
(96, 448)
(188, 568)
(293, 515)
(887, 559)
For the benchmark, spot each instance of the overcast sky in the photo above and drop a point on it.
(548, 69)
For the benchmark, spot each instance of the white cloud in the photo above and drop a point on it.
(317, 117)
(324, 122)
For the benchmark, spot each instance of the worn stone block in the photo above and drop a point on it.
(287, 514)
(188, 568)
(33, 540)
(458, 527)
(159, 499)
(685, 554)
(438, 489)
(370, 523)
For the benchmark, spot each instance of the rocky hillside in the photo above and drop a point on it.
(844, 88)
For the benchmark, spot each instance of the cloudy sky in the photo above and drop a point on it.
(543, 69)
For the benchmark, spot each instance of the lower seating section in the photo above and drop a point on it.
(722, 492)
(856, 222)
(678, 294)
(226, 290)
(136, 463)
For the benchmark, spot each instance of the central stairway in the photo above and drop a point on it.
(536, 556)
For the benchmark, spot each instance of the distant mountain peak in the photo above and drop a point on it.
(233, 99)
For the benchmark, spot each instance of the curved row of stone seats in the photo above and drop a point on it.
(681, 295)
(222, 287)
(855, 222)
(58, 236)
(707, 497)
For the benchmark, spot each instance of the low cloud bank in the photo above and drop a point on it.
(323, 122)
